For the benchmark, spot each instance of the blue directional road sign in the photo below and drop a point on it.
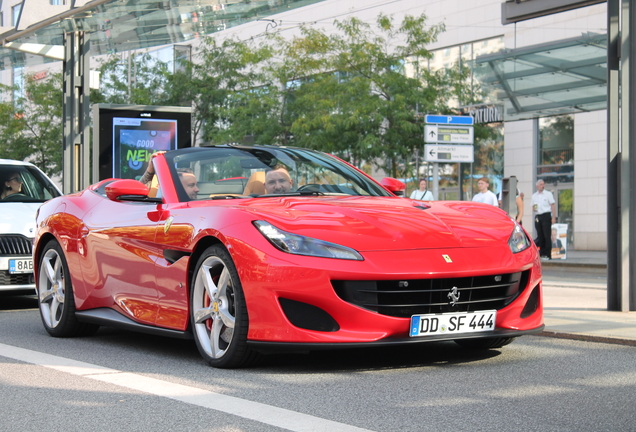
(451, 120)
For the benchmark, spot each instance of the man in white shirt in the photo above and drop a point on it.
(422, 194)
(485, 196)
(544, 216)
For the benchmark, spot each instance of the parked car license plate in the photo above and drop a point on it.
(453, 322)
(21, 265)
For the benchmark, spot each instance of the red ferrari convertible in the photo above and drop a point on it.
(254, 248)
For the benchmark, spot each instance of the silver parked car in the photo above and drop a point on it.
(23, 188)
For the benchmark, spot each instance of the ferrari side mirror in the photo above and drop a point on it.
(393, 185)
(129, 190)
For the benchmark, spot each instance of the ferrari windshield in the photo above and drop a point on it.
(216, 172)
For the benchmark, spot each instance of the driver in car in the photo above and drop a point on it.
(278, 181)
(12, 185)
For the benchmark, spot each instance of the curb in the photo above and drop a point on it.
(588, 338)
(573, 265)
(583, 285)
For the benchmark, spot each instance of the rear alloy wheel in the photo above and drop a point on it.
(484, 343)
(55, 295)
(218, 313)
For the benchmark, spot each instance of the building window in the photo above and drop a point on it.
(15, 14)
(555, 166)
(18, 82)
(555, 163)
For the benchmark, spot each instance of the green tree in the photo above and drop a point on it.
(31, 125)
(216, 84)
(213, 84)
(347, 92)
(132, 79)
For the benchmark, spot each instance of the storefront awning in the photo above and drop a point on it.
(563, 77)
(123, 25)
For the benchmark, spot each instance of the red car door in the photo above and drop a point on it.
(118, 264)
(175, 233)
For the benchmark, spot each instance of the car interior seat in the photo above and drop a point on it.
(154, 186)
(255, 184)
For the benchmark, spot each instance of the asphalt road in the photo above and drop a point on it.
(135, 382)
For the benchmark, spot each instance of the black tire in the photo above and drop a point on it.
(55, 295)
(484, 343)
(218, 313)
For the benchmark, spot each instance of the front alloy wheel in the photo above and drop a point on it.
(218, 312)
(55, 295)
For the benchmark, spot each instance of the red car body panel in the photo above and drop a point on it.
(116, 253)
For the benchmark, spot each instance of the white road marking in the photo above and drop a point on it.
(268, 414)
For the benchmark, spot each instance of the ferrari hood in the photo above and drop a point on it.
(18, 218)
(378, 223)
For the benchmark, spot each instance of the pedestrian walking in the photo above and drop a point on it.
(422, 194)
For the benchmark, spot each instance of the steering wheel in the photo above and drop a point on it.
(311, 187)
(15, 197)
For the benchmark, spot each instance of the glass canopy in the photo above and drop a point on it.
(564, 77)
(123, 25)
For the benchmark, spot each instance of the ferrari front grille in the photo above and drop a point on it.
(14, 245)
(403, 298)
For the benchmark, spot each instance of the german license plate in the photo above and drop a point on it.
(21, 265)
(453, 323)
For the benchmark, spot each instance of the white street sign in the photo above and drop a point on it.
(449, 134)
(449, 153)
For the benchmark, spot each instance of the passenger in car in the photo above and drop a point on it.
(278, 181)
(12, 184)
(189, 182)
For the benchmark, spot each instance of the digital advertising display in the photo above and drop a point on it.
(128, 135)
(135, 140)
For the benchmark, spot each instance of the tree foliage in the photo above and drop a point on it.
(132, 79)
(31, 124)
(344, 92)
(347, 92)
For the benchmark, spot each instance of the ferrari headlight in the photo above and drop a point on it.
(518, 241)
(301, 245)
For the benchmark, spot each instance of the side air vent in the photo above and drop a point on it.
(308, 317)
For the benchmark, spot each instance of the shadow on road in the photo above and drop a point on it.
(11, 301)
(364, 359)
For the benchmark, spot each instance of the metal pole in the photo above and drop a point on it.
(613, 155)
(75, 127)
(436, 180)
(129, 76)
(626, 195)
(628, 162)
(84, 120)
(417, 168)
(68, 66)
